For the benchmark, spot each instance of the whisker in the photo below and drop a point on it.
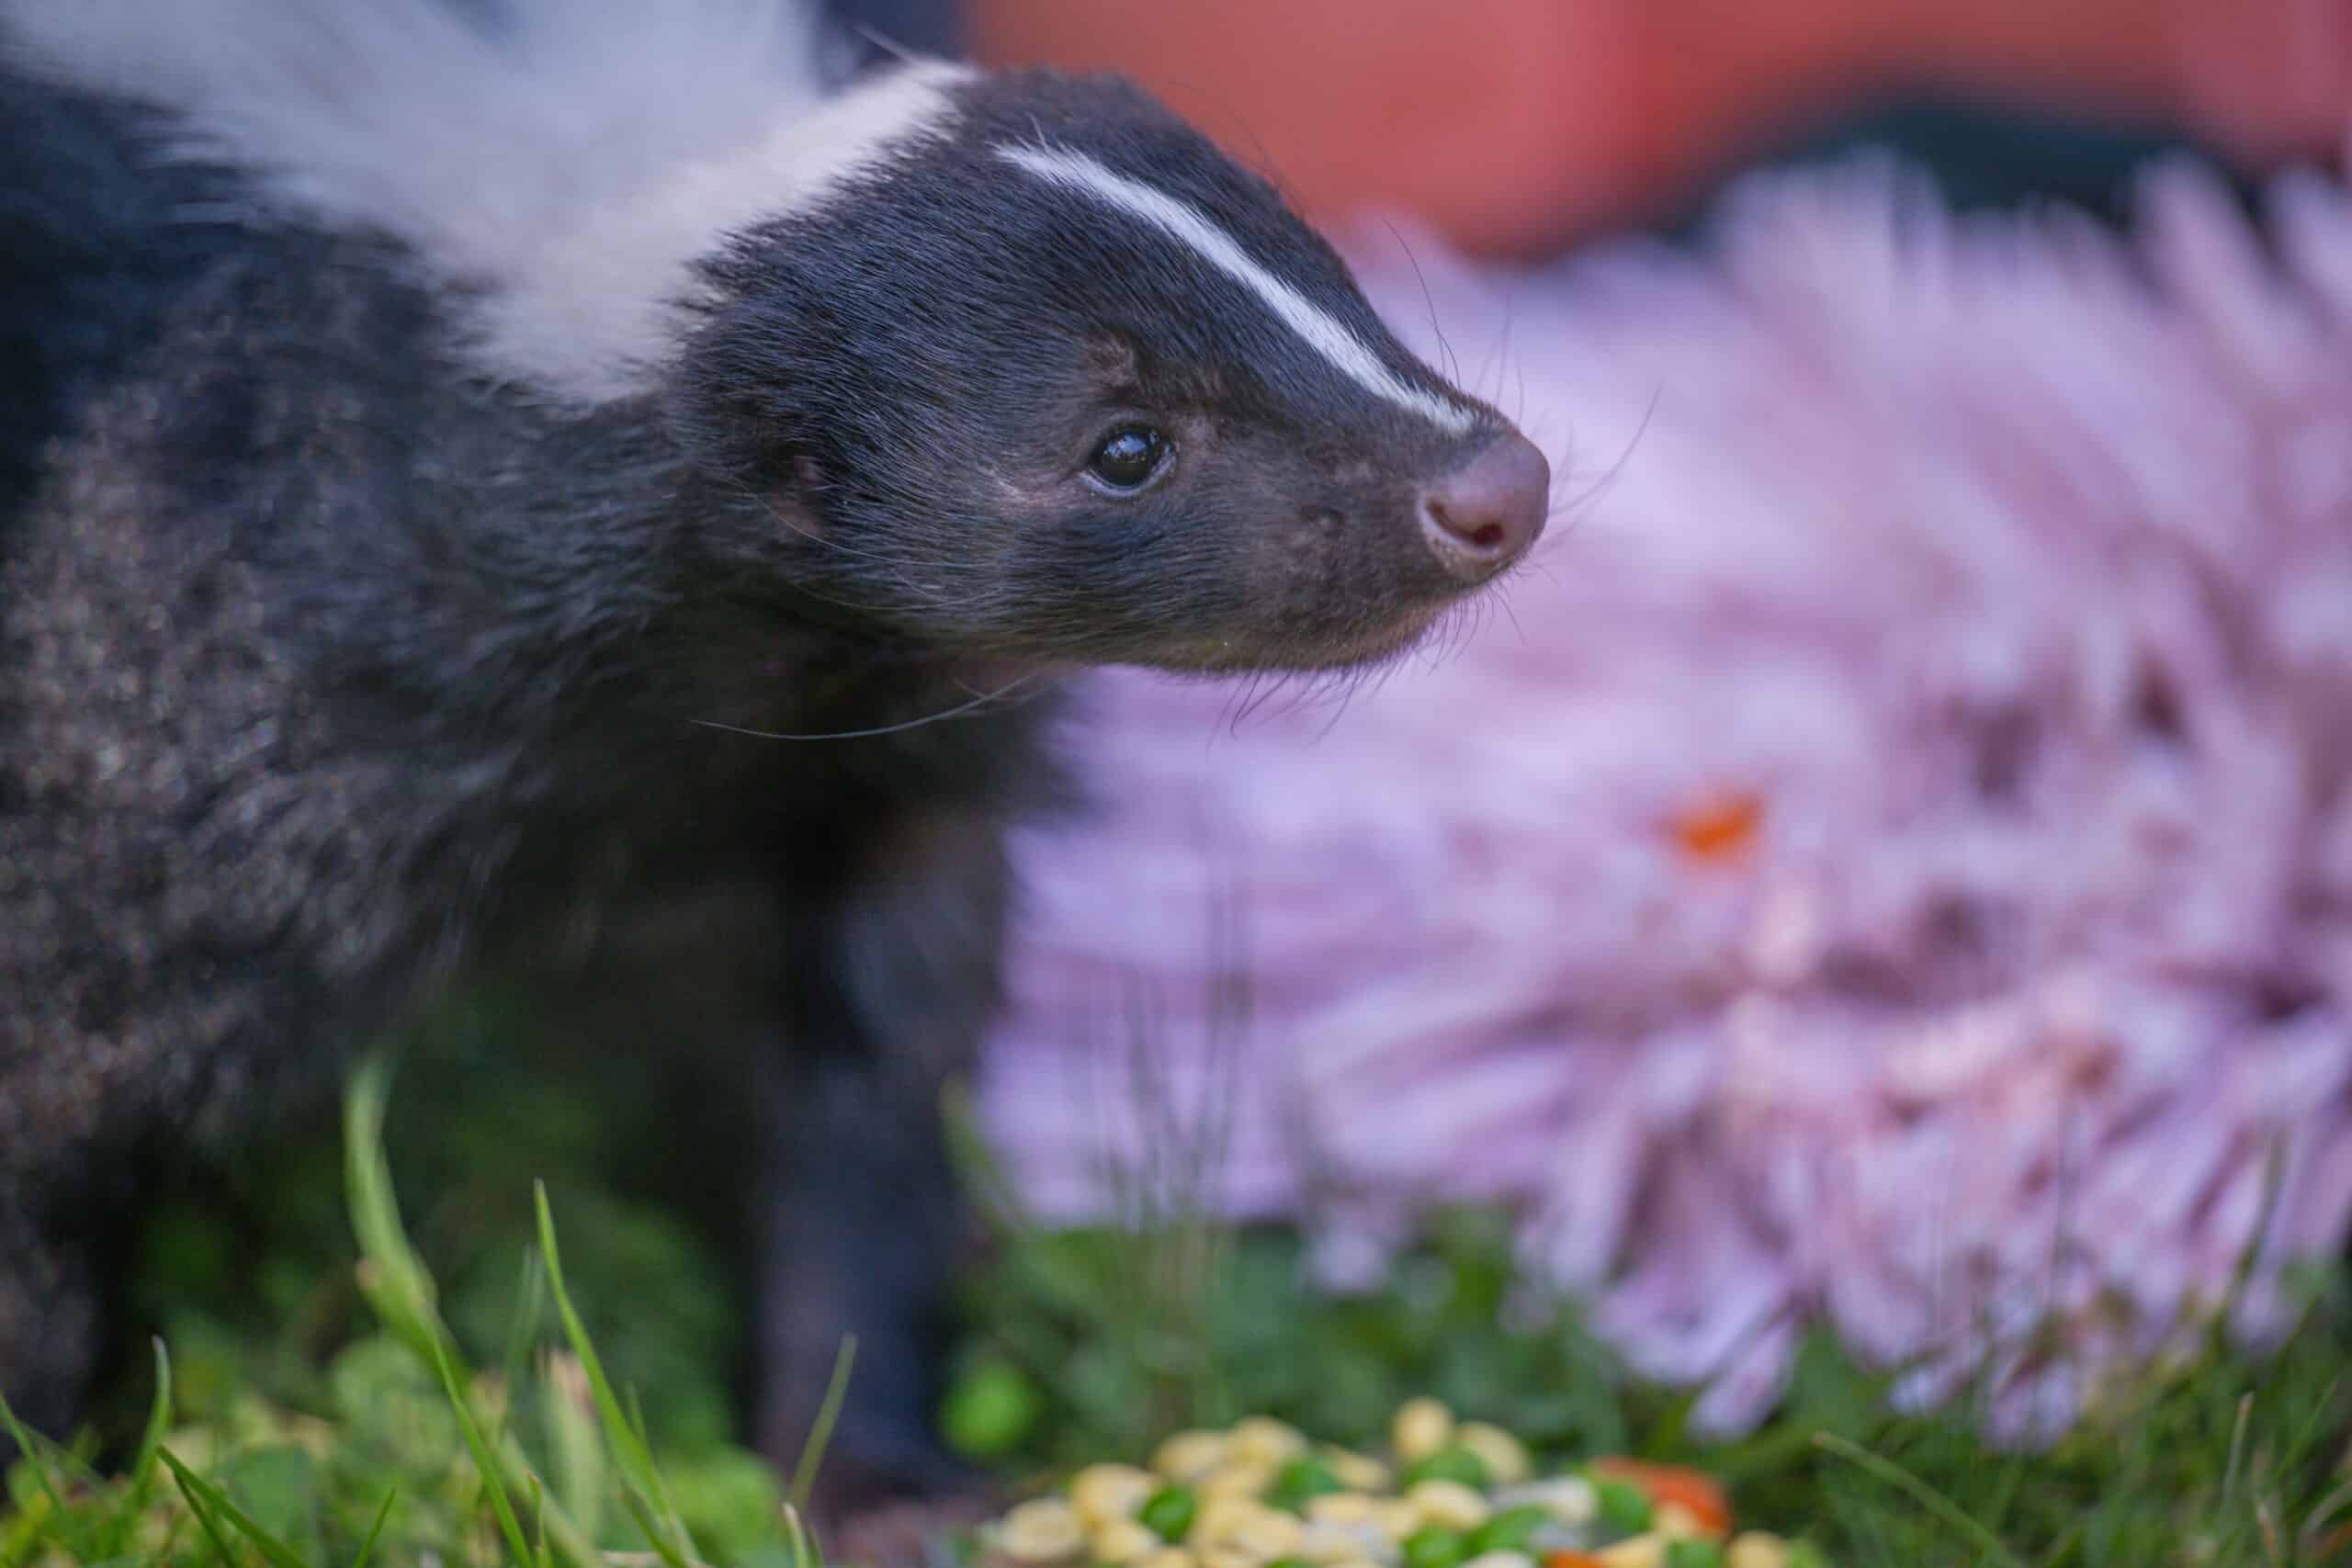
(958, 711)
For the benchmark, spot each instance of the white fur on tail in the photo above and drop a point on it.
(1192, 228)
(576, 159)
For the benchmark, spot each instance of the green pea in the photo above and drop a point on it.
(1455, 1463)
(1694, 1554)
(1804, 1554)
(1300, 1479)
(1510, 1530)
(1168, 1512)
(1433, 1546)
(1289, 1563)
(1623, 1505)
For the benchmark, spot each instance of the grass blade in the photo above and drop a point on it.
(367, 1547)
(1919, 1491)
(485, 1459)
(192, 1485)
(628, 1443)
(821, 1431)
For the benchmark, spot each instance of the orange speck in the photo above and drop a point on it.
(1573, 1560)
(1719, 830)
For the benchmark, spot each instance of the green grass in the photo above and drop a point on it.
(455, 1389)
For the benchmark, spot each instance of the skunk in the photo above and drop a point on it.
(597, 494)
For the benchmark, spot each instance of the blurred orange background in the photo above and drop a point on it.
(1517, 125)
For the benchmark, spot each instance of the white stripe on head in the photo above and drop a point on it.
(1340, 348)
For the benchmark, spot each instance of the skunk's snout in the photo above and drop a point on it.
(1485, 514)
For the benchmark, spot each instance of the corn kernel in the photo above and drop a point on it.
(1754, 1549)
(1354, 1563)
(1188, 1456)
(1102, 1493)
(1504, 1456)
(1677, 1523)
(1219, 1518)
(1228, 1557)
(1121, 1540)
(1236, 1478)
(1397, 1518)
(1268, 1534)
(1356, 1472)
(1638, 1551)
(1421, 1427)
(1343, 1509)
(1448, 1504)
(1169, 1557)
(1045, 1530)
(1266, 1441)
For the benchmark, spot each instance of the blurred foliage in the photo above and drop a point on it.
(309, 1407)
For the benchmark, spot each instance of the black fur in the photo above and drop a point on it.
(332, 670)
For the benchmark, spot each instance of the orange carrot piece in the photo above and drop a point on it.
(1693, 1490)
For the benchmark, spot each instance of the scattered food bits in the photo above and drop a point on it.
(1102, 1493)
(1449, 1504)
(1754, 1549)
(1266, 1441)
(1045, 1530)
(1421, 1427)
(1122, 1540)
(1638, 1551)
(1500, 1560)
(1188, 1456)
(1464, 1495)
(1357, 1472)
(1694, 1491)
(1504, 1456)
(1344, 1508)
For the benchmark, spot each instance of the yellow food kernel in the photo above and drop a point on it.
(1219, 1518)
(1677, 1523)
(1168, 1557)
(1354, 1563)
(1397, 1518)
(1188, 1456)
(1236, 1478)
(1504, 1455)
(1228, 1557)
(1754, 1549)
(1639, 1551)
(1045, 1530)
(1121, 1540)
(1356, 1472)
(1268, 1535)
(1572, 1499)
(1102, 1493)
(1265, 1440)
(1500, 1560)
(1344, 1508)
(1448, 1504)
(1421, 1427)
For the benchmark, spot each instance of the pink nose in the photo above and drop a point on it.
(1485, 514)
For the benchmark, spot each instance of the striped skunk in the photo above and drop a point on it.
(507, 488)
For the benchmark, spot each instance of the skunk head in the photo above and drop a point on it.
(1048, 375)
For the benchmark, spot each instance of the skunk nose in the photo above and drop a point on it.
(1482, 517)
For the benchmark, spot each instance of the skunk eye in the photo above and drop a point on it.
(1128, 458)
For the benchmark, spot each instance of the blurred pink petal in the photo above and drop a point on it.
(1998, 574)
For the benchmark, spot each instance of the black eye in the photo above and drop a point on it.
(1128, 458)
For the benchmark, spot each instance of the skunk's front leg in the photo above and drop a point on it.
(889, 982)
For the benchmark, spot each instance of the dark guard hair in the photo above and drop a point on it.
(441, 537)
